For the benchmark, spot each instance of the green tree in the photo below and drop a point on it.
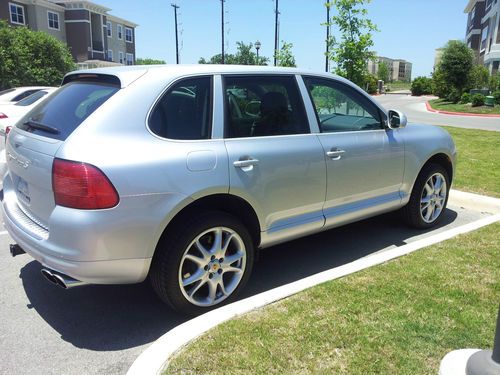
(285, 56)
(479, 77)
(421, 86)
(456, 65)
(351, 53)
(383, 71)
(31, 58)
(243, 56)
(440, 86)
(148, 61)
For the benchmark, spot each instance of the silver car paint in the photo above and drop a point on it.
(156, 178)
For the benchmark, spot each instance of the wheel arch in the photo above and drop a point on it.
(443, 160)
(228, 203)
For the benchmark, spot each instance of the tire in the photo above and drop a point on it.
(192, 272)
(426, 206)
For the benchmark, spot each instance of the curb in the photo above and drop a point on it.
(430, 109)
(475, 202)
(156, 358)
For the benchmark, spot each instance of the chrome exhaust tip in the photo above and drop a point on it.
(59, 279)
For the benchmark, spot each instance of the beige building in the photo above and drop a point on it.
(94, 37)
(483, 32)
(399, 70)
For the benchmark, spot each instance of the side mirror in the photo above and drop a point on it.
(396, 119)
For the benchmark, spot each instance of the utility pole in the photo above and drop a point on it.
(222, 24)
(327, 62)
(175, 6)
(276, 13)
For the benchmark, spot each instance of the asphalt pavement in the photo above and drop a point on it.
(416, 111)
(102, 329)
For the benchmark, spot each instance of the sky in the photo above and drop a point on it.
(408, 29)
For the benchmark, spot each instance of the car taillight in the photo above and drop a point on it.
(7, 131)
(3, 115)
(81, 185)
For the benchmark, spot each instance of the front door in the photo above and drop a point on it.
(364, 159)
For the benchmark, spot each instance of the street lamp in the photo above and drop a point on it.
(257, 47)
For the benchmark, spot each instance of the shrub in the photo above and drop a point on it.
(466, 98)
(496, 95)
(454, 96)
(421, 86)
(477, 100)
(371, 84)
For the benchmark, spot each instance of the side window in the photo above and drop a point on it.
(257, 106)
(340, 108)
(184, 111)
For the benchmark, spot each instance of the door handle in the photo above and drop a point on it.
(335, 153)
(245, 163)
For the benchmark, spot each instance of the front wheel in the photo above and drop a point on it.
(204, 264)
(428, 198)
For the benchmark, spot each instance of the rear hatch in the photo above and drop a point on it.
(33, 143)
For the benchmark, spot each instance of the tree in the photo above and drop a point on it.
(479, 77)
(456, 65)
(244, 56)
(148, 61)
(383, 71)
(351, 53)
(285, 56)
(31, 58)
(421, 86)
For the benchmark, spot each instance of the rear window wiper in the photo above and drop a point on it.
(38, 125)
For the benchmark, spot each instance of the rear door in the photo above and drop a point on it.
(33, 142)
(275, 163)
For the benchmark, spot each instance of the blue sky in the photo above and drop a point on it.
(409, 29)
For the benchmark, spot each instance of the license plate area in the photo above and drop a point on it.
(22, 189)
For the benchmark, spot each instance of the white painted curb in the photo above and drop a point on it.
(475, 202)
(155, 358)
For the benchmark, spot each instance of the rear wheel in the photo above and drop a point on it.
(204, 263)
(428, 198)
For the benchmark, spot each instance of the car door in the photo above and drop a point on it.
(364, 159)
(275, 163)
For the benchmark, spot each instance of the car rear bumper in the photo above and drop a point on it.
(118, 271)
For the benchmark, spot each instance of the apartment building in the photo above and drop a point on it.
(399, 70)
(483, 32)
(94, 37)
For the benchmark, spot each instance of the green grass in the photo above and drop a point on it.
(478, 165)
(398, 318)
(443, 105)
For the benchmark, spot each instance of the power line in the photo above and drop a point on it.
(327, 62)
(175, 6)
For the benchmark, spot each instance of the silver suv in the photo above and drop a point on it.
(180, 173)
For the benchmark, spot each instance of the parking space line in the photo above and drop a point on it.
(3, 232)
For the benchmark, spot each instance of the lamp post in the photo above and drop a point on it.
(257, 47)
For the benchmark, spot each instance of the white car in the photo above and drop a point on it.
(11, 96)
(11, 113)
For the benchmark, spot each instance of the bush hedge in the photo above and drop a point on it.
(477, 100)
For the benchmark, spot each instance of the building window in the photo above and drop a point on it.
(129, 35)
(53, 20)
(119, 29)
(110, 55)
(130, 59)
(120, 55)
(109, 28)
(16, 14)
(484, 38)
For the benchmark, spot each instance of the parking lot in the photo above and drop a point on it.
(102, 329)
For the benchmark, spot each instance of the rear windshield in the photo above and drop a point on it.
(58, 116)
(32, 98)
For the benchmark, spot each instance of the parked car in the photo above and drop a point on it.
(10, 113)
(16, 94)
(163, 172)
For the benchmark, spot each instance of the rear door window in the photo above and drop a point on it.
(58, 116)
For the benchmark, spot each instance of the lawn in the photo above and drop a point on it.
(398, 85)
(443, 105)
(478, 166)
(398, 318)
